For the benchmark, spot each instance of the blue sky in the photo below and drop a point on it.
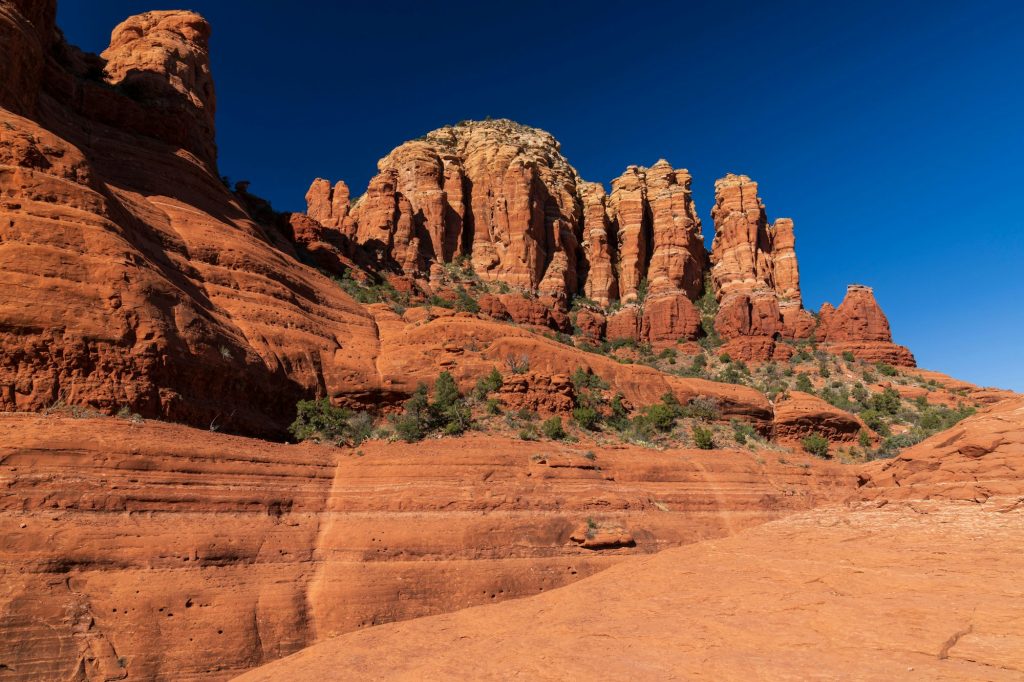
(891, 132)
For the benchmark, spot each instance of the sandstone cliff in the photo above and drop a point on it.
(185, 300)
(859, 326)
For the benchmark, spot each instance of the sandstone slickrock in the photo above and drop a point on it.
(829, 593)
(859, 326)
(832, 590)
(801, 414)
(169, 553)
(981, 459)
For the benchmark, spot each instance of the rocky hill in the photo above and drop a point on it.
(188, 301)
(504, 379)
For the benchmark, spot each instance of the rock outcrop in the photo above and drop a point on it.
(824, 594)
(160, 552)
(859, 326)
(935, 532)
(132, 278)
(755, 273)
(799, 415)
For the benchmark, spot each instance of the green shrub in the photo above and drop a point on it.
(641, 291)
(886, 370)
(705, 409)
(619, 417)
(816, 444)
(823, 370)
(661, 416)
(730, 375)
(552, 428)
(528, 432)
(864, 439)
(803, 383)
(875, 421)
(489, 384)
(417, 418)
(449, 411)
(446, 392)
(492, 406)
(322, 421)
(582, 379)
(743, 431)
(848, 356)
(888, 401)
(725, 358)
(869, 376)
(703, 438)
(586, 417)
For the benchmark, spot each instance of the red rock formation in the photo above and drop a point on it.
(624, 324)
(537, 392)
(678, 256)
(591, 324)
(166, 553)
(859, 326)
(162, 59)
(328, 205)
(494, 190)
(602, 284)
(669, 318)
(800, 415)
(26, 34)
(122, 288)
(755, 272)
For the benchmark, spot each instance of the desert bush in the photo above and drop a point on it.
(848, 356)
(553, 429)
(886, 370)
(517, 364)
(587, 417)
(742, 431)
(703, 438)
(489, 383)
(705, 409)
(875, 421)
(887, 402)
(320, 420)
(803, 383)
(618, 419)
(816, 444)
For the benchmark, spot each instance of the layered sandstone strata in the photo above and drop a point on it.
(935, 533)
(859, 326)
(755, 273)
(131, 277)
(160, 552)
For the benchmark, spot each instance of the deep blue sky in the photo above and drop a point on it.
(890, 132)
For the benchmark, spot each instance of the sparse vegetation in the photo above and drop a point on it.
(816, 444)
(319, 420)
(553, 429)
(703, 438)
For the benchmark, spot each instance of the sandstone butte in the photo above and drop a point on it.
(153, 548)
